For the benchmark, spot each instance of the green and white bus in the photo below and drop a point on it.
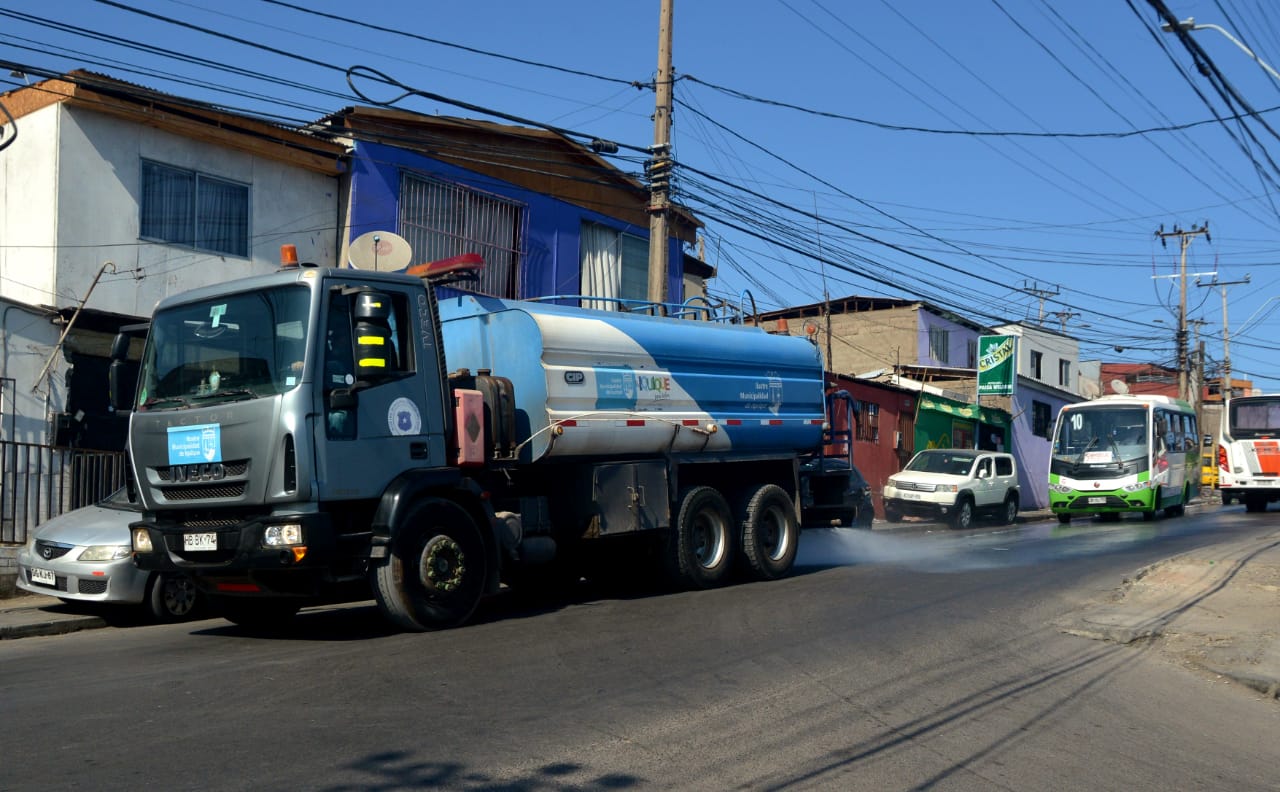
(1122, 454)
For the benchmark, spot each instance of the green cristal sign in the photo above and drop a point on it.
(997, 365)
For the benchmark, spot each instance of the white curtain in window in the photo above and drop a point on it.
(223, 214)
(601, 259)
(168, 205)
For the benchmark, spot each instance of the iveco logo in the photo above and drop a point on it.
(208, 472)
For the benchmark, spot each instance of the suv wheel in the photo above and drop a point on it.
(962, 517)
(1009, 513)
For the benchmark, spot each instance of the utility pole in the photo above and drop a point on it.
(1035, 291)
(1184, 239)
(1225, 390)
(660, 162)
(1063, 317)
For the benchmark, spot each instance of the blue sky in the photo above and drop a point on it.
(1005, 159)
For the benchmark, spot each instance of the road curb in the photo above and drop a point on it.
(50, 626)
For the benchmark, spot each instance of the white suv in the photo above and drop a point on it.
(954, 484)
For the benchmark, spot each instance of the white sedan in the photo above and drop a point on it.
(84, 556)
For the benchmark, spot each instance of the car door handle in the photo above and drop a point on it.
(417, 450)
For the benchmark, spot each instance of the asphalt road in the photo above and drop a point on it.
(910, 660)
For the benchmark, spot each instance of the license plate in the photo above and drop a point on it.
(911, 496)
(44, 577)
(1097, 501)
(199, 541)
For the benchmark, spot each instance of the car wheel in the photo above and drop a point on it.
(173, 598)
(962, 517)
(892, 515)
(1010, 511)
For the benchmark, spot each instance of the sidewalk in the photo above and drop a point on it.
(26, 615)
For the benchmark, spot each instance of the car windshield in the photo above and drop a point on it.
(237, 346)
(941, 462)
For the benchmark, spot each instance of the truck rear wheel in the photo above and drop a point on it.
(770, 532)
(700, 547)
(436, 574)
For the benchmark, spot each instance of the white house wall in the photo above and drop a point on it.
(27, 336)
(93, 216)
(28, 202)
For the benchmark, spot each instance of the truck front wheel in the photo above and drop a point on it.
(436, 574)
(770, 532)
(700, 547)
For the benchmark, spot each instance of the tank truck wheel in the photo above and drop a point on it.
(436, 574)
(699, 549)
(770, 532)
(257, 614)
(173, 598)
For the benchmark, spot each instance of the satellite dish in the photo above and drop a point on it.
(1118, 386)
(380, 250)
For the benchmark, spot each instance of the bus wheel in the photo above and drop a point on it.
(699, 549)
(437, 570)
(1226, 499)
(1064, 518)
(1255, 503)
(1150, 514)
(770, 532)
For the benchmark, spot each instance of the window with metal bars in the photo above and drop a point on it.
(868, 421)
(442, 219)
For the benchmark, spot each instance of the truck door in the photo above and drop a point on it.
(380, 409)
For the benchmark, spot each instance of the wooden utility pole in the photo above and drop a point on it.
(660, 163)
(1184, 239)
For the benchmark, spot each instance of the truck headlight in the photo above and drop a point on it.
(141, 540)
(1141, 485)
(284, 535)
(105, 552)
(1061, 489)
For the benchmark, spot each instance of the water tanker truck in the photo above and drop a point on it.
(316, 431)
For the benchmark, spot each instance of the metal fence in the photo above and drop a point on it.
(39, 482)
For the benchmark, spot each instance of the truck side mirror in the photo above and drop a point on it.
(122, 375)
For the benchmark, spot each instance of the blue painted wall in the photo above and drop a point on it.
(549, 261)
(1031, 450)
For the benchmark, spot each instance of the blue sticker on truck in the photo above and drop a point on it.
(191, 444)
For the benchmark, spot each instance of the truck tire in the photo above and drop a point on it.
(962, 517)
(770, 532)
(258, 614)
(436, 574)
(173, 598)
(1255, 503)
(699, 551)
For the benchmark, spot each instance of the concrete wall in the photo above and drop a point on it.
(27, 336)
(1053, 348)
(958, 338)
(869, 340)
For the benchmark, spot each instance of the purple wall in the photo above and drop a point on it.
(549, 261)
(1031, 450)
(958, 340)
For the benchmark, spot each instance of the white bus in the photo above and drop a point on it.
(1122, 454)
(1249, 451)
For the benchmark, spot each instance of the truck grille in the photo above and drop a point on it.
(223, 470)
(228, 490)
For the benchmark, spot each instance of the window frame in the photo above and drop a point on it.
(155, 230)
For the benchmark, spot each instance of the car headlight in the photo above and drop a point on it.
(283, 535)
(948, 488)
(104, 552)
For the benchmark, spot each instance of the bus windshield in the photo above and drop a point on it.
(1255, 417)
(1114, 434)
(234, 347)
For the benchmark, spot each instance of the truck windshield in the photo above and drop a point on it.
(1254, 417)
(238, 346)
